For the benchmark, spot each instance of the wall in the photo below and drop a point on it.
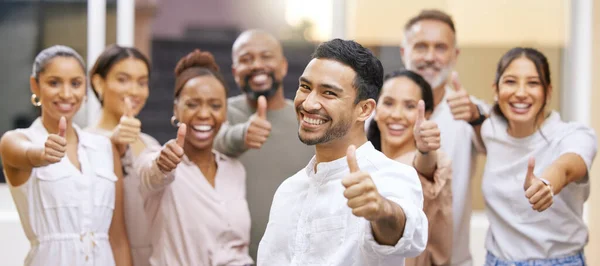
(593, 247)
(19, 35)
(174, 16)
(477, 22)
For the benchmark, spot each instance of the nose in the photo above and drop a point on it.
(430, 54)
(258, 63)
(397, 113)
(521, 92)
(204, 112)
(66, 92)
(311, 103)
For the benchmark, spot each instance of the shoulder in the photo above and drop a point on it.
(231, 163)
(236, 102)
(149, 140)
(95, 140)
(381, 164)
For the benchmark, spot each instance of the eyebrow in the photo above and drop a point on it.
(324, 85)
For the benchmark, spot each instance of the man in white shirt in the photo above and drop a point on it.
(429, 48)
(350, 206)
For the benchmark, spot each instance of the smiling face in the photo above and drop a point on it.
(429, 49)
(521, 95)
(325, 101)
(201, 105)
(61, 88)
(397, 111)
(126, 79)
(258, 63)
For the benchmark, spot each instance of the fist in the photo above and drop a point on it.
(363, 197)
(259, 128)
(460, 102)
(426, 133)
(539, 194)
(55, 147)
(128, 129)
(172, 153)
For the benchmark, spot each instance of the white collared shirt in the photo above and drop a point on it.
(517, 232)
(311, 224)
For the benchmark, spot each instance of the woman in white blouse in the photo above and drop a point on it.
(536, 177)
(119, 79)
(194, 196)
(66, 183)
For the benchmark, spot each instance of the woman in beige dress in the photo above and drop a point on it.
(119, 80)
(401, 131)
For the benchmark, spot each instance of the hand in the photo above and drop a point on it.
(259, 129)
(128, 130)
(426, 133)
(460, 103)
(539, 194)
(172, 153)
(55, 147)
(363, 197)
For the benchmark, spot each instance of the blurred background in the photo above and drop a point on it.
(567, 31)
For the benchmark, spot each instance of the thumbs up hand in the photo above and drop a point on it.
(172, 153)
(460, 103)
(55, 147)
(426, 133)
(259, 127)
(363, 197)
(538, 192)
(128, 129)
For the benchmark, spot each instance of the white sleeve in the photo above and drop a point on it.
(581, 141)
(403, 187)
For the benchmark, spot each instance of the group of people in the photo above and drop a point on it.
(389, 160)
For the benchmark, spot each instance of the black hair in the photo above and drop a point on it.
(373, 132)
(45, 56)
(112, 55)
(369, 71)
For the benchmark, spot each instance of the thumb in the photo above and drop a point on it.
(128, 108)
(530, 165)
(455, 82)
(62, 126)
(351, 157)
(261, 109)
(181, 134)
(421, 113)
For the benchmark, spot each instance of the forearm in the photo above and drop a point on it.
(151, 177)
(426, 164)
(564, 170)
(389, 229)
(230, 139)
(121, 251)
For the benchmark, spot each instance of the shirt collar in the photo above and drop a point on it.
(84, 139)
(324, 168)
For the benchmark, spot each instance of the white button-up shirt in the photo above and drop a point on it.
(311, 224)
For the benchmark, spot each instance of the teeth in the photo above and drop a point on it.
(64, 105)
(521, 105)
(396, 127)
(313, 121)
(203, 128)
(260, 78)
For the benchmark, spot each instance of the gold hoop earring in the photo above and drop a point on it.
(174, 121)
(35, 101)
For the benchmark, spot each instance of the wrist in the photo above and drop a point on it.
(477, 116)
(34, 156)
